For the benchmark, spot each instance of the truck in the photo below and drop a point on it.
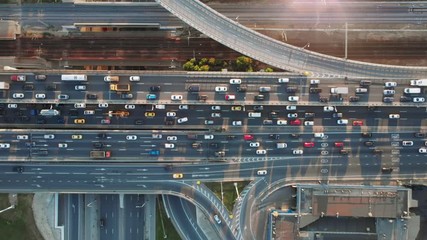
(412, 90)
(339, 90)
(100, 154)
(4, 86)
(120, 87)
(118, 113)
(419, 82)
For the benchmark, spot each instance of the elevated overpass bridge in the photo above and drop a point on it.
(276, 53)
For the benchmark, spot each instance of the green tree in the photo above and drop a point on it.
(188, 66)
(244, 63)
(268, 70)
(203, 61)
(204, 68)
(212, 61)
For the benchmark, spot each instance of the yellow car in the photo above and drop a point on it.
(150, 114)
(236, 108)
(76, 137)
(79, 121)
(178, 175)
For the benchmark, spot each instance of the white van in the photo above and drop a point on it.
(412, 90)
(314, 81)
(361, 90)
(254, 114)
(319, 135)
(283, 80)
(160, 106)
(281, 145)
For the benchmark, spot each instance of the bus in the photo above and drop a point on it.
(72, 77)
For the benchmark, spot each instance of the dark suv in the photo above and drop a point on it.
(419, 135)
(155, 88)
(366, 135)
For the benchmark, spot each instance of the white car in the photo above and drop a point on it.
(292, 115)
(134, 78)
(129, 106)
(176, 97)
(80, 105)
(49, 136)
(407, 143)
(80, 87)
(103, 105)
(282, 122)
(261, 152)
(342, 121)
(216, 108)
(217, 220)
(215, 115)
(237, 123)
(254, 144)
(297, 152)
(390, 84)
(283, 80)
(328, 109)
(235, 81)
(22, 137)
(12, 105)
(170, 114)
(18, 95)
(261, 172)
(293, 98)
(183, 107)
(4, 145)
(308, 123)
(422, 150)
(182, 120)
(209, 137)
(394, 116)
(220, 89)
(418, 99)
(40, 96)
(169, 145)
(291, 107)
(171, 138)
(314, 81)
(62, 145)
(131, 137)
(88, 112)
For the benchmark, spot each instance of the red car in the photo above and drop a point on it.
(20, 78)
(309, 144)
(107, 154)
(295, 122)
(357, 123)
(339, 144)
(230, 97)
(248, 137)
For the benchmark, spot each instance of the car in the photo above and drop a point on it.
(171, 138)
(422, 150)
(390, 84)
(182, 120)
(196, 145)
(18, 95)
(405, 99)
(295, 122)
(328, 109)
(230, 97)
(28, 87)
(377, 151)
(105, 121)
(40, 77)
(209, 122)
(91, 96)
(248, 137)
(259, 97)
(18, 78)
(98, 145)
(208, 137)
(293, 98)
(282, 122)
(151, 96)
(111, 79)
(216, 108)
(62, 145)
(51, 87)
(361, 90)
(357, 123)
(283, 80)
(138, 122)
(155, 88)
(40, 96)
(353, 98)
(254, 144)
(169, 145)
(237, 123)
(12, 105)
(150, 114)
(80, 87)
(368, 143)
(170, 114)
(131, 137)
(22, 137)
(308, 123)
(176, 97)
(264, 89)
(366, 135)
(183, 107)
(129, 106)
(365, 83)
(80, 105)
(177, 175)
(315, 90)
(337, 115)
(258, 108)
(323, 99)
(103, 105)
(202, 97)
(291, 108)
(126, 96)
(314, 82)
(217, 220)
(216, 115)
(387, 170)
(389, 92)
(267, 122)
(235, 81)
(261, 172)
(77, 137)
(63, 97)
(221, 89)
(292, 115)
(4, 145)
(236, 108)
(418, 99)
(339, 144)
(134, 78)
(394, 116)
(342, 121)
(309, 115)
(79, 121)
(274, 136)
(261, 152)
(220, 154)
(388, 99)
(281, 145)
(297, 151)
(19, 169)
(241, 89)
(407, 143)
(420, 135)
(344, 151)
(308, 144)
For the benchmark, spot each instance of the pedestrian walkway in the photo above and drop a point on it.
(44, 216)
